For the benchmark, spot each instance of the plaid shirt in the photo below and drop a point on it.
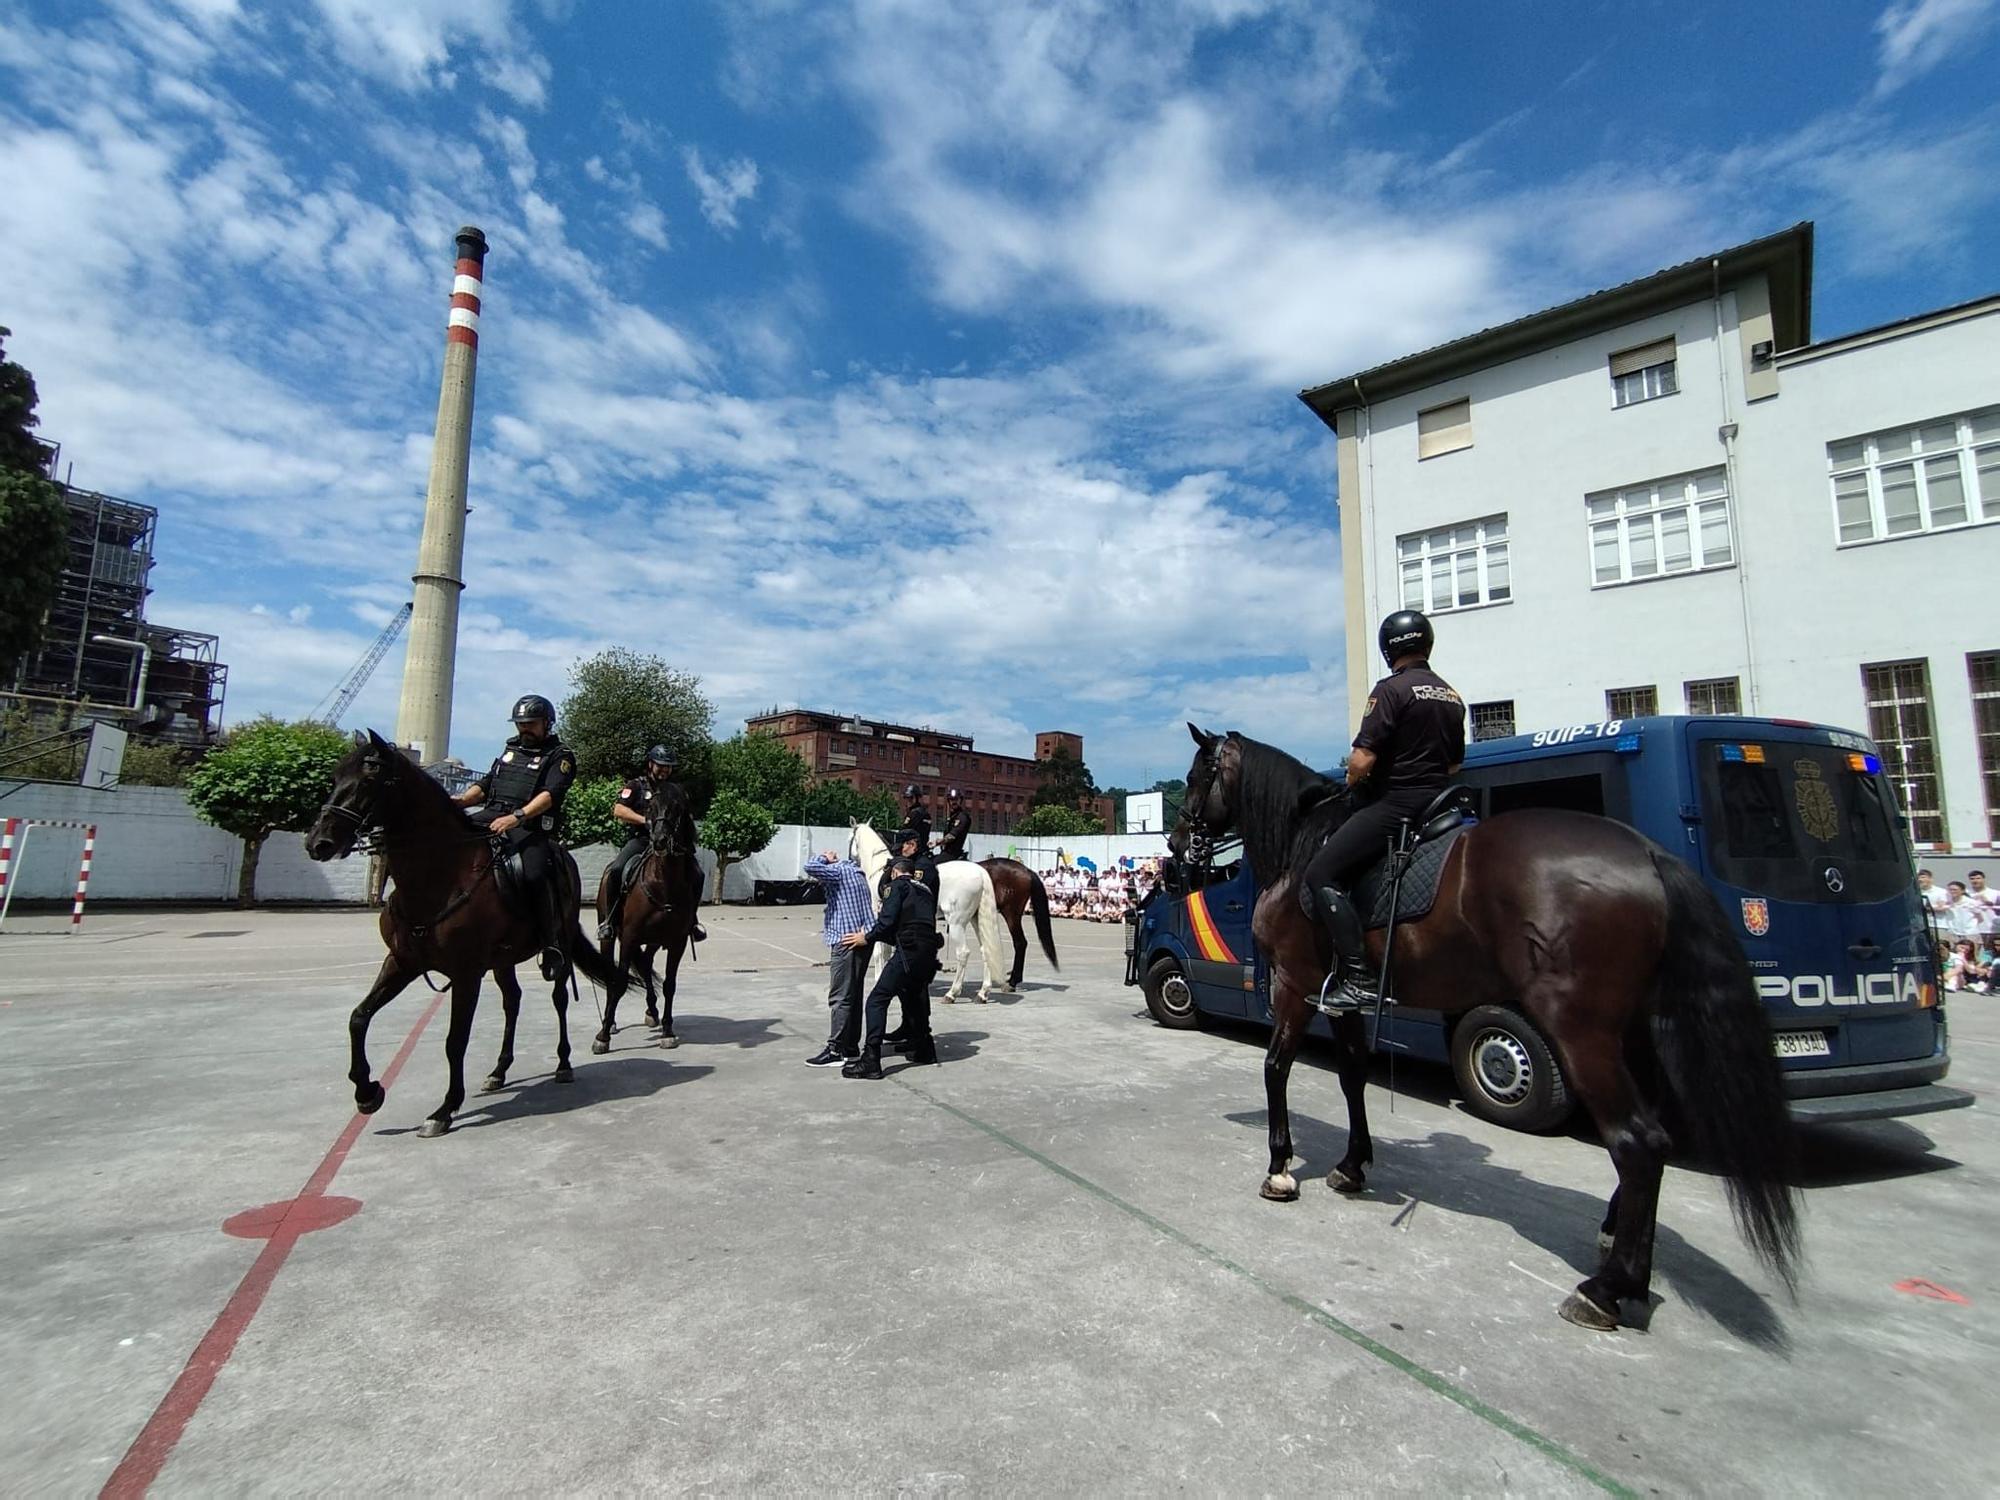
(846, 888)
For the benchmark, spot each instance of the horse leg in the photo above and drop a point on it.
(1604, 1230)
(510, 1007)
(1279, 1184)
(1638, 1146)
(560, 997)
(464, 1001)
(960, 951)
(1348, 1174)
(621, 977)
(390, 981)
(1020, 950)
(675, 948)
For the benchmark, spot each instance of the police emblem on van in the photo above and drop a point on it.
(1756, 915)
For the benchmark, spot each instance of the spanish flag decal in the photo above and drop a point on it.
(1206, 936)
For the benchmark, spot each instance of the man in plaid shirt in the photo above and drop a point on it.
(847, 910)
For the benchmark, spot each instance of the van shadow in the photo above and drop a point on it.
(629, 1077)
(1866, 1151)
(1458, 1175)
(726, 1031)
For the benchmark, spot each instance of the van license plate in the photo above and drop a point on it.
(1801, 1044)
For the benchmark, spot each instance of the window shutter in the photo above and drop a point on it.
(1643, 358)
(1444, 429)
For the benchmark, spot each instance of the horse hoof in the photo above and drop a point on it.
(493, 1084)
(565, 1073)
(652, 1020)
(947, 1000)
(1283, 1188)
(978, 999)
(430, 1130)
(1583, 1312)
(599, 1046)
(1343, 1181)
(368, 1097)
(670, 1041)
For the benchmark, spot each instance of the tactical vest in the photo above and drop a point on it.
(517, 775)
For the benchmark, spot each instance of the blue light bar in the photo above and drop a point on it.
(1874, 764)
(1627, 744)
(1732, 752)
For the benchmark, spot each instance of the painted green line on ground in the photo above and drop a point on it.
(1429, 1379)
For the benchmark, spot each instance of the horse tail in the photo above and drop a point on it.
(1715, 1045)
(1038, 897)
(987, 920)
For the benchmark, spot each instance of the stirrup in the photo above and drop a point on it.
(1341, 995)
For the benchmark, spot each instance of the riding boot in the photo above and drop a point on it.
(1350, 988)
(867, 1065)
(610, 923)
(554, 960)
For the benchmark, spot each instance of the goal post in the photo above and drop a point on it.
(13, 850)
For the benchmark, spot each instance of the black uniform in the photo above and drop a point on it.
(511, 783)
(908, 921)
(917, 819)
(1415, 724)
(638, 794)
(957, 829)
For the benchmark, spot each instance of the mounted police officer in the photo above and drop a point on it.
(629, 810)
(957, 829)
(917, 817)
(1410, 745)
(520, 798)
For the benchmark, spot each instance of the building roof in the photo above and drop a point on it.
(1785, 258)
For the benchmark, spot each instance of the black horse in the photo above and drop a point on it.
(447, 913)
(658, 912)
(1596, 932)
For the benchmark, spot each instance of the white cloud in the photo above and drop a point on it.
(735, 182)
(1917, 35)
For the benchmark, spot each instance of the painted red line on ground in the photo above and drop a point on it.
(156, 1441)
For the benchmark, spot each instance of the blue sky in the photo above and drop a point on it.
(927, 360)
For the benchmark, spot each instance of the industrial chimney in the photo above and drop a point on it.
(423, 721)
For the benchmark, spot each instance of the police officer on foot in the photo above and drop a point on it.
(1410, 745)
(917, 817)
(957, 829)
(910, 845)
(629, 811)
(520, 798)
(908, 922)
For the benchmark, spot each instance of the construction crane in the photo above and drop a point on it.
(337, 702)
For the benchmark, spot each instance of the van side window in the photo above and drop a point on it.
(1583, 794)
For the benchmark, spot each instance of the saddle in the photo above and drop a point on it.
(1425, 841)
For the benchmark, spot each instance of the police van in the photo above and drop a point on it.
(1792, 825)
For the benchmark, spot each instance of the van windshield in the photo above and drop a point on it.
(1800, 822)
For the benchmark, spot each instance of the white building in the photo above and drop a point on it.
(1666, 498)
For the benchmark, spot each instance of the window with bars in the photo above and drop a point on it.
(1678, 525)
(1456, 567)
(1714, 695)
(1931, 477)
(1631, 702)
(1898, 695)
(1493, 721)
(1643, 374)
(1983, 668)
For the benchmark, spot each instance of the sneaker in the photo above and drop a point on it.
(863, 1066)
(827, 1056)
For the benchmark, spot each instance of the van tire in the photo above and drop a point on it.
(1507, 1072)
(1169, 996)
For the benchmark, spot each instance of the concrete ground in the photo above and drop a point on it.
(1041, 1266)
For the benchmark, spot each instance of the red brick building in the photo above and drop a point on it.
(868, 753)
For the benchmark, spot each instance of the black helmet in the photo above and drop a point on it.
(660, 755)
(1405, 633)
(954, 794)
(534, 706)
(910, 790)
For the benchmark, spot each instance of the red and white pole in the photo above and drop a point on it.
(7, 829)
(83, 877)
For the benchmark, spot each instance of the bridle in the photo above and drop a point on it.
(1201, 837)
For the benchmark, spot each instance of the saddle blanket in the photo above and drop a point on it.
(1420, 883)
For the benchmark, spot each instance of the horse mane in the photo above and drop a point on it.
(1277, 814)
(410, 774)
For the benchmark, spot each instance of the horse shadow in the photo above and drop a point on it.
(1461, 1176)
(629, 1077)
(726, 1031)
(952, 1046)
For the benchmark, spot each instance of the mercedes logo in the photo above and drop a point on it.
(1835, 881)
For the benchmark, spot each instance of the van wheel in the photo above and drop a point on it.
(1169, 996)
(1506, 1072)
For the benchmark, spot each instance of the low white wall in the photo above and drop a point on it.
(151, 847)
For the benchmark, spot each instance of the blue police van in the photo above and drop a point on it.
(1792, 825)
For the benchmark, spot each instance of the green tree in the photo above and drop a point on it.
(1117, 794)
(830, 804)
(34, 538)
(1065, 781)
(587, 812)
(762, 768)
(621, 703)
(152, 763)
(735, 829)
(20, 449)
(1052, 819)
(262, 778)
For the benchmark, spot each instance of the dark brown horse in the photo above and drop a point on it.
(447, 913)
(1590, 928)
(1016, 889)
(659, 912)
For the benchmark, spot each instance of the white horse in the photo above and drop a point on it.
(965, 901)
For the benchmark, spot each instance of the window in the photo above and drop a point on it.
(1631, 703)
(1444, 429)
(1898, 695)
(1983, 668)
(1781, 814)
(1914, 479)
(1455, 567)
(1643, 374)
(1714, 695)
(1678, 525)
(1492, 721)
